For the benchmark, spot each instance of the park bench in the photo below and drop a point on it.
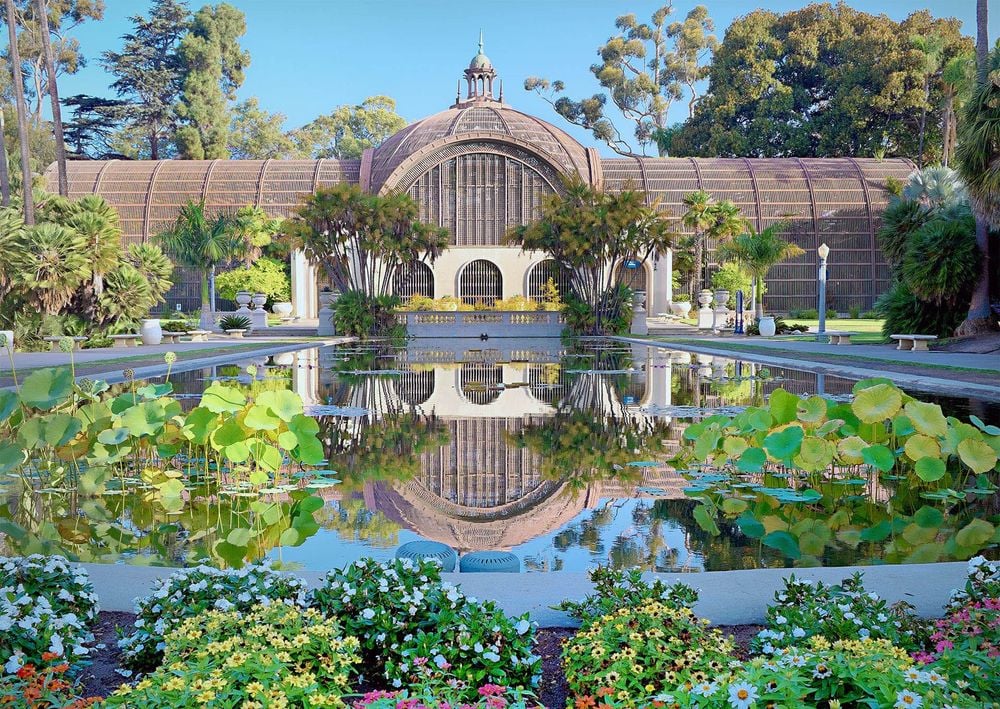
(125, 340)
(199, 335)
(172, 338)
(237, 333)
(917, 343)
(838, 337)
(54, 342)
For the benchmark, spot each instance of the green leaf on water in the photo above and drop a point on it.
(47, 388)
(783, 444)
(239, 537)
(220, 399)
(927, 418)
(752, 460)
(289, 538)
(877, 533)
(877, 403)
(783, 542)
(733, 505)
(977, 455)
(879, 457)
(929, 469)
(703, 516)
(975, 534)
(978, 422)
(783, 406)
(750, 525)
(928, 517)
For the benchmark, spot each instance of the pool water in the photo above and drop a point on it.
(556, 452)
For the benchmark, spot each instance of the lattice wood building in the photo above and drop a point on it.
(481, 166)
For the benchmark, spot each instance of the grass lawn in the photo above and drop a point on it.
(870, 330)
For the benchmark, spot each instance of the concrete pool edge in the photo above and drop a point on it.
(726, 597)
(922, 382)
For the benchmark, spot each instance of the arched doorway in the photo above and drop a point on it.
(414, 279)
(480, 283)
(634, 278)
(541, 273)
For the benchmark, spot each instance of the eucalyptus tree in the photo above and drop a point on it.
(758, 252)
(22, 112)
(590, 232)
(53, 91)
(204, 243)
(977, 157)
(362, 240)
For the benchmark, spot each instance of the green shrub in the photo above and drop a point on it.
(189, 592)
(46, 606)
(942, 261)
(174, 325)
(234, 322)
(854, 312)
(901, 219)
(905, 313)
(640, 651)
(516, 303)
(804, 609)
(732, 278)
(276, 654)
(360, 315)
(414, 628)
(265, 275)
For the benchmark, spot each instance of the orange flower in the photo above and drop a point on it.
(26, 671)
(586, 702)
(605, 691)
(60, 668)
(46, 656)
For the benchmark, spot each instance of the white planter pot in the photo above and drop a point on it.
(282, 310)
(683, 308)
(766, 326)
(283, 359)
(243, 298)
(151, 332)
(259, 299)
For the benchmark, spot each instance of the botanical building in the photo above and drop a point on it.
(482, 166)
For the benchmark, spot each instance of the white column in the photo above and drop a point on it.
(304, 291)
(661, 288)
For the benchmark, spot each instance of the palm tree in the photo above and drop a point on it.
(204, 244)
(50, 69)
(698, 217)
(758, 252)
(97, 222)
(930, 47)
(957, 79)
(48, 263)
(4, 169)
(154, 266)
(728, 222)
(977, 156)
(22, 114)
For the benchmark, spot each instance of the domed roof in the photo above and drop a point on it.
(480, 61)
(478, 121)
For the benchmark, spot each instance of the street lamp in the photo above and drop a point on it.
(823, 252)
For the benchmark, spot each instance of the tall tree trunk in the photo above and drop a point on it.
(50, 70)
(207, 321)
(4, 164)
(979, 318)
(699, 256)
(22, 114)
(154, 146)
(949, 119)
(923, 122)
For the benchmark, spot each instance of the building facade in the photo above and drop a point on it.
(481, 167)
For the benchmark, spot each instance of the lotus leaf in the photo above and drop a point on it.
(734, 446)
(815, 454)
(921, 446)
(199, 425)
(877, 533)
(927, 418)
(261, 418)
(812, 410)
(851, 449)
(869, 383)
(978, 456)
(733, 505)
(929, 517)
(287, 440)
(783, 406)
(783, 542)
(902, 426)
(978, 422)
(95, 414)
(285, 404)
(47, 388)
(239, 537)
(11, 456)
(879, 457)
(703, 516)
(289, 538)
(750, 525)
(146, 418)
(266, 455)
(783, 444)
(877, 403)
(706, 443)
(155, 391)
(975, 534)
(759, 419)
(958, 432)
(751, 460)
(8, 403)
(220, 399)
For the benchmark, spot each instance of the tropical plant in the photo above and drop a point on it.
(154, 266)
(589, 233)
(901, 219)
(942, 260)
(732, 277)
(238, 654)
(362, 240)
(126, 295)
(205, 243)
(935, 186)
(758, 252)
(903, 312)
(360, 315)
(97, 223)
(48, 263)
(234, 322)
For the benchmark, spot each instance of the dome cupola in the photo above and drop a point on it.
(480, 76)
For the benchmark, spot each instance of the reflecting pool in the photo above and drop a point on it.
(563, 454)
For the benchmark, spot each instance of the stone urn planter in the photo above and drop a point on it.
(766, 326)
(259, 299)
(151, 331)
(243, 298)
(282, 310)
(681, 308)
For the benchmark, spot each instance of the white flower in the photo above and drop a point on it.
(367, 614)
(704, 689)
(491, 656)
(522, 627)
(798, 633)
(780, 620)
(14, 663)
(742, 695)
(907, 699)
(440, 661)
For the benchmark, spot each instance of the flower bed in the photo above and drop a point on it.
(46, 606)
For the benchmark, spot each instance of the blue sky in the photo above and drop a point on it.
(311, 55)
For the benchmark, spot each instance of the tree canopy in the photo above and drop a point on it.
(347, 131)
(824, 81)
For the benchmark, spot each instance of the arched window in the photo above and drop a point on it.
(481, 382)
(634, 278)
(541, 273)
(414, 279)
(415, 388)
(480, 283)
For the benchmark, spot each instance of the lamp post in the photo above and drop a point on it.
(823, 252)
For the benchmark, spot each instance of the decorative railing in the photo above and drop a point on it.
(479, 323)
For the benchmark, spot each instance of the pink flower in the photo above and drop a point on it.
(489, 690)
(943, 645)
